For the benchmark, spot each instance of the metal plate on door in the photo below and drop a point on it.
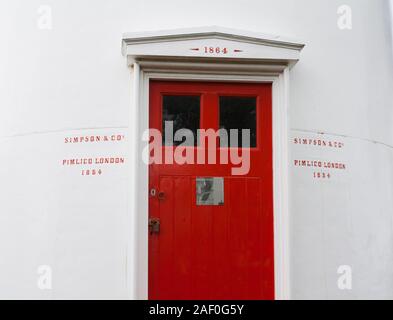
(209, 191)
(154, 225)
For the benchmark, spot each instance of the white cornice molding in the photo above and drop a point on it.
(195, 43)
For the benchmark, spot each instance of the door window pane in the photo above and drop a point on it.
(238, 113)
(182, 113)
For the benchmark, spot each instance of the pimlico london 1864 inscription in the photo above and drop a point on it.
(89, 165)
(318, 151)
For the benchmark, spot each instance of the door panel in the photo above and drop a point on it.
(220, 251)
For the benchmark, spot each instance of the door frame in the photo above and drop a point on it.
(170, 55)
(140, 112)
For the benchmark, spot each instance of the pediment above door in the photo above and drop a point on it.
(210, 43)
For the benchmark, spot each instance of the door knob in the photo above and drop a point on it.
(161, 195)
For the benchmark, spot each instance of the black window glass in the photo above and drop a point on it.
(238, 113)
(183, 113)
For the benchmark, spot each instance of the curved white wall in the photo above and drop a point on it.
(73, 81)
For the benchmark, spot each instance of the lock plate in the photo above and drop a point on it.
(154, 225)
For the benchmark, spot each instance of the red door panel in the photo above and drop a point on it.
(213, 252)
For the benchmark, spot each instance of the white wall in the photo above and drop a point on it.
(73, 80)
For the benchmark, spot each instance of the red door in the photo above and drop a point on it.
(210, 228)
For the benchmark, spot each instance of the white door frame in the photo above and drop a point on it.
(145, 68)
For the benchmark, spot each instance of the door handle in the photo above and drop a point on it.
(161, 195)
(154, 225)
